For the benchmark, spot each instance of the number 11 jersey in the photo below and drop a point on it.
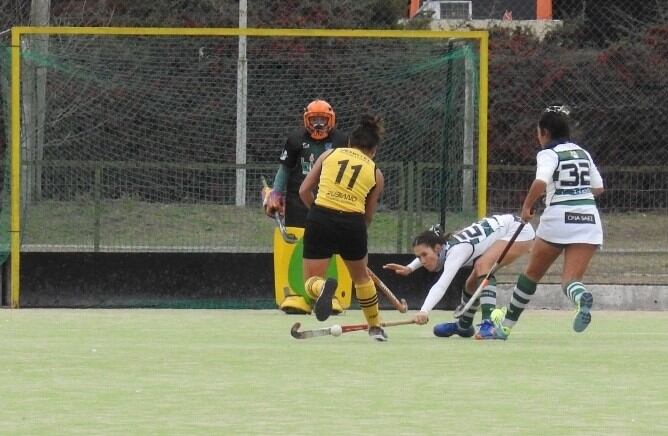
(347, 177)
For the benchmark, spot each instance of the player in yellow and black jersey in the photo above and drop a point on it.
(348, 188)
(349, 195)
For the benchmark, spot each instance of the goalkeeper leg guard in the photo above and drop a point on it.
(295, 304)
(368, 299)
(313, 286)
(336, 306)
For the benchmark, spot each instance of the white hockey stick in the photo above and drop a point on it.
(327, 331)
(459, 311)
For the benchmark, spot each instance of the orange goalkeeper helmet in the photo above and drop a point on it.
(319, 119)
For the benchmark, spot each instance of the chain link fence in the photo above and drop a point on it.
(606, 60)
(606, 63)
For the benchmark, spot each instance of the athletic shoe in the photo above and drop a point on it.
(486, 330)
(377, 334)
(496, 330)
(323, 305)
(447, 329)
(583, 317)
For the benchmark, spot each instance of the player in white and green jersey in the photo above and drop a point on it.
(479, 245)
(567, 176)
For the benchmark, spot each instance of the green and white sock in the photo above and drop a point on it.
(488, 297)
(466, 319)
(524, 290)
(574, 291)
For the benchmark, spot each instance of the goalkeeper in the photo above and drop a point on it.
(302, 148)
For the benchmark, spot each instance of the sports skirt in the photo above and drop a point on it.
(571, 225)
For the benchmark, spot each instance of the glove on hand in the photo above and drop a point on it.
(274, 202)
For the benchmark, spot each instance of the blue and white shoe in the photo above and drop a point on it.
(486, 330)
(447, 329)
(583, 317)
(493, 329)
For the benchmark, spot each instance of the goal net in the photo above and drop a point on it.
(157, 139)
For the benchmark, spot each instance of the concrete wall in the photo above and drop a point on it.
(227, 280)
(194, 280)
(539, 28)
(606, 297)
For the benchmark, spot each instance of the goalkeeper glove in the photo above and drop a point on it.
(274, 202)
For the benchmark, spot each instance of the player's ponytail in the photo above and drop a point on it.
(369, 133)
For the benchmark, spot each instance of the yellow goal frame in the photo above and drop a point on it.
(15, 111)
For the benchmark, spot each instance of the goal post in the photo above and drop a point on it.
(155, 139)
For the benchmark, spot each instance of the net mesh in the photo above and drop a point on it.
(614, 93)
(131, 143)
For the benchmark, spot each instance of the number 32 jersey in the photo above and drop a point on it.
(347, 177)
(570, 215)
(570, 174)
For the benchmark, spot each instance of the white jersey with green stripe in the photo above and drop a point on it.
(475, 239)
(570, 174)
(466, 245)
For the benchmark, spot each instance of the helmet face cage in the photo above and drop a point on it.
(319, 119)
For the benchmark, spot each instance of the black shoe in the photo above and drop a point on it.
(323, 305)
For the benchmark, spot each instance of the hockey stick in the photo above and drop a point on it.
(290, 238)
(401, 306)
(327, 331)
(287, 237)
(459, 311)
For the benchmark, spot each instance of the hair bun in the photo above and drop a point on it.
(373, 123)
(436, 229)
(369, 120)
